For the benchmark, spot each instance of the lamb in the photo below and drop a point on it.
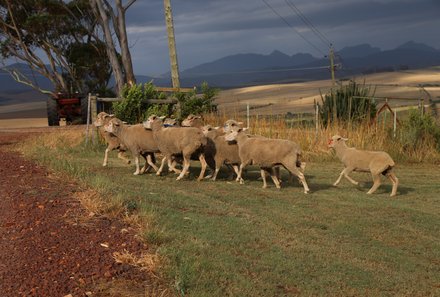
(173, 141)
(110, 139)
(375, 162)
(220, 150)
(267, 153)
(233, 124)
(138, 140)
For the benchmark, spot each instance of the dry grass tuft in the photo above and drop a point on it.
(145, 262)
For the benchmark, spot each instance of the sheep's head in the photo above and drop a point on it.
(113, 125)
(231, 125)
(170, 122)
(153, 120)
(102, 118)
(335, 140)
(193, 121)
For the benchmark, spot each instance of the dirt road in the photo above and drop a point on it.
(49, 244)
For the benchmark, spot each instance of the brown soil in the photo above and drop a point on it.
(50, 245)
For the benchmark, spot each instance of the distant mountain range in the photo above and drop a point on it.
(277, 67)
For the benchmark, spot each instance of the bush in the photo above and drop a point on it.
(419, 130)
(190, 103)
(132, 110)
(360, 108)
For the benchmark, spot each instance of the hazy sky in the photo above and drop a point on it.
(208, 30)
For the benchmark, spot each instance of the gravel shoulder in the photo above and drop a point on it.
(50, 245)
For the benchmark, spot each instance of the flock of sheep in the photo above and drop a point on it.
(229, 145)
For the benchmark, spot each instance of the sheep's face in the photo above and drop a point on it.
(102, 118)
(232, 125)
(335, 140)
(169, 122)
(113, 125)
(192, 121)
(149, 123)
(206, 129)
(232, 135)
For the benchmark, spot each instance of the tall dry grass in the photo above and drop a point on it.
(314, 141)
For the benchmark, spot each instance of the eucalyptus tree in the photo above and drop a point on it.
(58, 39)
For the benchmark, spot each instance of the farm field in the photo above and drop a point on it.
(225, 239)
(299, 97)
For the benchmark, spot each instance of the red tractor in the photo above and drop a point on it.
(71, 107)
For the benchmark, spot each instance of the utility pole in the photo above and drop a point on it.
(171, 44)
(332, 71)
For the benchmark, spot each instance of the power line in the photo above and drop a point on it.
(288, 24)
(308, 23)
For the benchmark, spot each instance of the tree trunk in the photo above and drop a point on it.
(111, 49)
(123, 43)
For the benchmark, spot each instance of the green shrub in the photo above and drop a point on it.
(359, 110)
(418, 130)
(132, 110)
(190, 103)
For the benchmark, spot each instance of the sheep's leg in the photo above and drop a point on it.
(172, 166)
(376, 184)
(105, 157)
(277, 174)
(263, 177)
(151, 164)
(395, 182)
(136, 162)
(235, 167)
(204, 165)
(162, 164)
(145, 168)
(123, 157)
(344, 173)
(301, 177)
(274, 174)
(186, 163)
(240, 171)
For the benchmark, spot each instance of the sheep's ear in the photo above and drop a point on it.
(245, 129)
(162, 117)
(344, 139)
(216, 128)
(125, 123)
(110, 115)
(240, 123)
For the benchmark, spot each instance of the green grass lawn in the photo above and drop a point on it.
(226, 239)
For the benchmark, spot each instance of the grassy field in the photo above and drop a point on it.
(225, 239)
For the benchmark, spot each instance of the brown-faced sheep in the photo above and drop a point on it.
(113, 142)
(173, 141)
(138, 140)
(267, 153)
(375, 162)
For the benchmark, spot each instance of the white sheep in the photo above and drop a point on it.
(267, 153)
(110, 139)
(222, 151)
(193, 121)
(375, 162)
(173, 141)
(138, 140)
(233, 124)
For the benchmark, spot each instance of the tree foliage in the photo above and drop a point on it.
(58, 39)
(347, 107)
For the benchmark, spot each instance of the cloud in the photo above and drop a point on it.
(208, 30)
